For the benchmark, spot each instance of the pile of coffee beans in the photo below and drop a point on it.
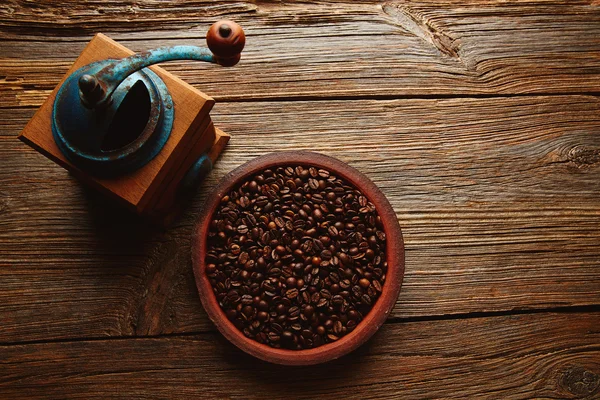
(296, 257)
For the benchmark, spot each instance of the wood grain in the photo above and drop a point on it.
(497, 198)
(323, 49)
(479, 120)
(545, 356)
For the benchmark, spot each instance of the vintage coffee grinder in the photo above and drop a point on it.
(135, 132)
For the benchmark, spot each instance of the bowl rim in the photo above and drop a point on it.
(370, 323)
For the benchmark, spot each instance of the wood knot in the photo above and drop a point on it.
(423, 27)
(584, 156)
(579, 382)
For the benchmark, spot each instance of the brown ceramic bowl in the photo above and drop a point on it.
(372, 321)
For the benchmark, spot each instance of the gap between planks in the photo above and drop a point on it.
(592, 308)
(375, 97)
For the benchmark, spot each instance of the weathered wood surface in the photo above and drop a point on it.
(549, 356)
(318, 49)
(480, 120)
(497, 198)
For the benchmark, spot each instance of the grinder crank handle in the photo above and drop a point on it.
(225, 40)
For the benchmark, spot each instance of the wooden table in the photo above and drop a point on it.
(480, 120)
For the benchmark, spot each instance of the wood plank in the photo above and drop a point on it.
(321, 49)
(497, 198)
(512, 357)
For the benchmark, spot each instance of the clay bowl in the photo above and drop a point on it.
(371, 322)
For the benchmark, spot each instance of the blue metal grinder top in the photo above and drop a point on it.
(112, 117)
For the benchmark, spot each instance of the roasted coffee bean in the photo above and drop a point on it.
(323, 173)
(210, 270)
(262, 316)
(294, 311)
(275, 327)
(366, 299)
(318, 245)
(280, 250)
(234, 249)
(291, 282)
(261, 201)
(279, 222)
(332, 231)
(362, 201)
(263, 305)
(231, 313)
(296, 257)
(353, 315)
(267, 286)
(273, 337)
(253, 186)
(335, 278)
(309, 311)
(372, 292)
(243, 257)
(289, 225)
(364, 283)
(344, 259)
(322, 303)
(315, 298)
(249, 265)
(337, 300)
(244, 202)
(332, 337)
(337, 328)
(377, 286)
(233, 296)
(335, 288)
(326, 255)
(247, 311)
(317, 214)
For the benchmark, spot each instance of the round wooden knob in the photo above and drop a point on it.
(226, 40)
